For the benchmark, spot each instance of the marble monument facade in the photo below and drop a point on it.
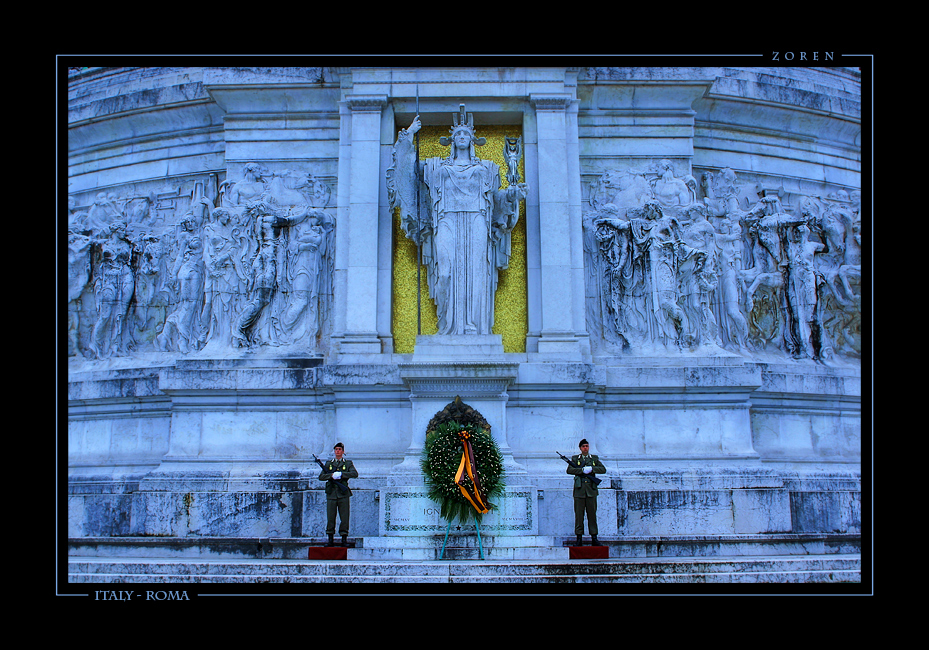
(684, 247)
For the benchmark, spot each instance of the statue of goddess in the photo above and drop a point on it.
(463, 224)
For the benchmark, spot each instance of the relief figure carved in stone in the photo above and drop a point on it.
(699, 278)
(222, 278)
(733, 327)
(153, 295)
(248, 189)
(803, 291)
(840, 265)
(658, 257)
(671, 191)
(269, 226)
(182, 327)
(79, 247)
(308, 258)
(114, 286)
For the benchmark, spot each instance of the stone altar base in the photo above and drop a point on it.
(459, 547)
(430, 347)
(407, 510)
(471, 367)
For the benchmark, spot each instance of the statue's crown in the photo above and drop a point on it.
(462, 120)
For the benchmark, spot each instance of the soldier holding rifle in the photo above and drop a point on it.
(584, 467)
(336, 473)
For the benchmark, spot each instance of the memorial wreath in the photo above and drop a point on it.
(463, 468)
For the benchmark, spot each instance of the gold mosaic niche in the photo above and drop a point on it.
(511, 311)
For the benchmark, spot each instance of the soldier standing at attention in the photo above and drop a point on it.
(339, 469)
(584, 466)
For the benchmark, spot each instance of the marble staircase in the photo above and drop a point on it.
(535, 559)
(768, 569)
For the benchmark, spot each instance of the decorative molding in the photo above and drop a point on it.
(440, 386)
(550, 102)
(366, 103)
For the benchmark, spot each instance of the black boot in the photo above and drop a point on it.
(345, 541)
(594, 542)
(578, 541)
(331, 542)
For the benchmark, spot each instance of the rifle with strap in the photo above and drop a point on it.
(343, 488)
(592, 477)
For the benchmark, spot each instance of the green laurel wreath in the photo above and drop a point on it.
(440, 459)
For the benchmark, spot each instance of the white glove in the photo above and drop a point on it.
(588, 469)
(337, 475)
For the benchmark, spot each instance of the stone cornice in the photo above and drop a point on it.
(366, 103)
(551, 102)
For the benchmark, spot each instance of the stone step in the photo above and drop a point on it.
(773, 569)
(459, 547)
(429, 547)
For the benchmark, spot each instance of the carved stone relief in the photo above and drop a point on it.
(669, 270)
(203, 268)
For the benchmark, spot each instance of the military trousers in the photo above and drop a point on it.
(342, 505)
(588, 506)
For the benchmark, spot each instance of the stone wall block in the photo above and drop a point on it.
(826, 512)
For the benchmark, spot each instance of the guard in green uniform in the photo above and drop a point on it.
(339, 469)
(584, 467)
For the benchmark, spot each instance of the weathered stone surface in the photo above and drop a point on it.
(693, 288)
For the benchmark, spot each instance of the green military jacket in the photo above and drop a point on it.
(583, 486)
(348, 470)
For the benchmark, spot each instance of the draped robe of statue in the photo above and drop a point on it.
(658, 252)
(464, 223)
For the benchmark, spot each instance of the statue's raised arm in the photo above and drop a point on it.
(402, 179)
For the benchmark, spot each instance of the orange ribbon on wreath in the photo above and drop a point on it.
(467, 465)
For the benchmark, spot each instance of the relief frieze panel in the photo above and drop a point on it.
(721, 264)
(204, 266)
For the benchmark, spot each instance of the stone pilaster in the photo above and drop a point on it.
(356, 266)
(561, 247)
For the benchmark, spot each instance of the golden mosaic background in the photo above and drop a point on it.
(511, 312)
